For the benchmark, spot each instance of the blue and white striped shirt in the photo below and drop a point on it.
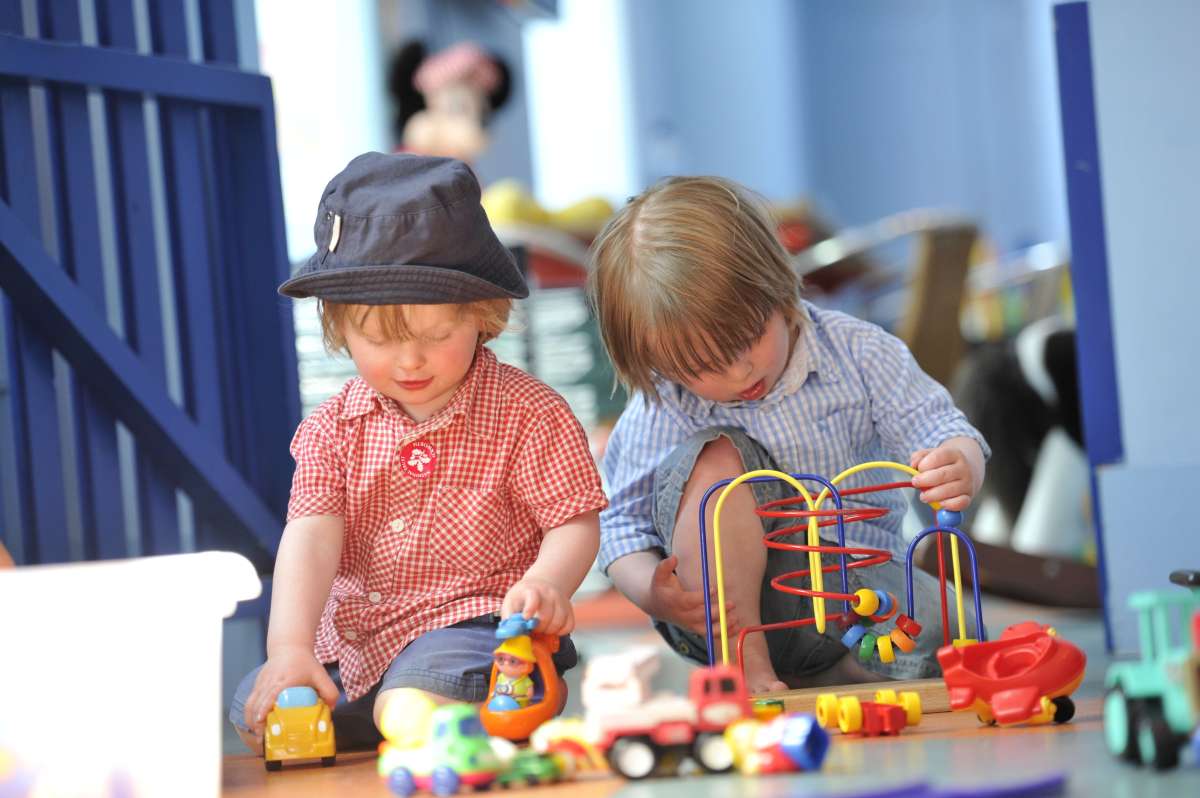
(851, 393)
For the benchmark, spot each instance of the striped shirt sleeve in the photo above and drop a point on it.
(643, 435)
(911, 410)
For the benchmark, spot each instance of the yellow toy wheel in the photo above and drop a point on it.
(1045, 714)
(850, 717)
(911, 701)
(827, 710)
(886, 697)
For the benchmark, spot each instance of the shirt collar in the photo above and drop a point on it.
(476, 399)
(808, 357)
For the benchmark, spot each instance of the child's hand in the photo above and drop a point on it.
(533, 597)
(671, 603)
(946, 476)
(287, 667)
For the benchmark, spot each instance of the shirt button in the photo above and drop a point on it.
(374, 597)
(398, 525)
(350, 634)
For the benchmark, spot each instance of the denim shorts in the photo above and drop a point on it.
(801, 651)
(455, 662)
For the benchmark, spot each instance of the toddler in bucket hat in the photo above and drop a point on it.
(439, 488)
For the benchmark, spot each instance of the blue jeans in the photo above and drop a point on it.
(455, 662)
(800, 651)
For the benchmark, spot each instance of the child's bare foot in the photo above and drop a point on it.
(760, 674)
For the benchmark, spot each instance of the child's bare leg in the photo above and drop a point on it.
(743, 555)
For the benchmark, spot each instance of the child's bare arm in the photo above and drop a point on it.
(566, 555)
(951, 473)
(304, 569)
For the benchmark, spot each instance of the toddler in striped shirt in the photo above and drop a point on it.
(730, 371)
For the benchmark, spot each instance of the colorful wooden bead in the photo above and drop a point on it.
(902, 641)
(888, 606)
(949, 518)
(866, 603)
(886, 652)
(853, 635)
(867, 647)
(908, 626)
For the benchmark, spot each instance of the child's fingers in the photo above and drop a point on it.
(325, 687)
(533, 601)
(943, 493)
(917, 457)
(957, 503)
(664, 570)
(938, 476)
(509, 605)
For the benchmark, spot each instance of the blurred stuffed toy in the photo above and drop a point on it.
(444, 100)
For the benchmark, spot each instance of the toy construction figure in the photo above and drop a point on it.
(514, 661)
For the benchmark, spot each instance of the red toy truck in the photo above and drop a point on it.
(1024, 677)
(655, 737)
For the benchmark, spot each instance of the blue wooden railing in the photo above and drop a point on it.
(148, 384)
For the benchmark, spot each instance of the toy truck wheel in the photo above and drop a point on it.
(1120, 715)
(1156, 745)
(445, 781)
(910, 700)
(850, 714)
(633, 757)
(712, 753)
(827, 710)
(401, 782)
(1064, 709)
(273, 764)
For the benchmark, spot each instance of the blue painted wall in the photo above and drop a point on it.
(870, 107)
(1144, 56)
(719, 88)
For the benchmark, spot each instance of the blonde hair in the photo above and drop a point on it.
(684, 278)
(490, 314)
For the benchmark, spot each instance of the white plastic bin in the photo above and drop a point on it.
(110, 673)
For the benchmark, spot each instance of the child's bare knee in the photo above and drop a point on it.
(720, 459)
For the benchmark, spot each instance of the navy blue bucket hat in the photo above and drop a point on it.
(405, 230)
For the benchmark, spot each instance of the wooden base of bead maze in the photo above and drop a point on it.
(934, 697)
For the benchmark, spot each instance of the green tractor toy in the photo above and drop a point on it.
(1152, 707)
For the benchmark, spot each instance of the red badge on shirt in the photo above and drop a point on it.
(418, 458)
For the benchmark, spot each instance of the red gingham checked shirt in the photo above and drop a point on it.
(440, 534)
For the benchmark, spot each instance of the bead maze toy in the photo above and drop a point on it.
(863, 608)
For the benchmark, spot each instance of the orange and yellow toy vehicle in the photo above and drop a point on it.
(517, 724)
(299, 727)
(1026, 676)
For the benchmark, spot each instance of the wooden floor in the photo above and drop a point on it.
(947, 749)
(355, 775)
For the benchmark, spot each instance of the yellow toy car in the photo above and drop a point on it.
(300, 727)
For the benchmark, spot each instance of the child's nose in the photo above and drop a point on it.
(409, 356)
